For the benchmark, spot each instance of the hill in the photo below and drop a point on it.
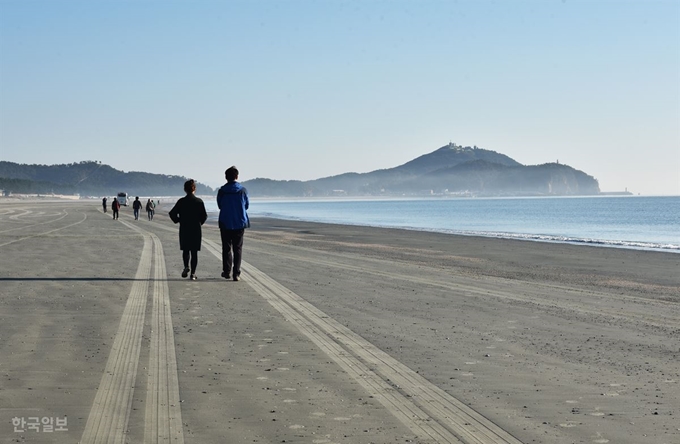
(89, 178)
(451, 169)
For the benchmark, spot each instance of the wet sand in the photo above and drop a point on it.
(336, 334)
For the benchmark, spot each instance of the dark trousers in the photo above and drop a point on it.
(194, 259)
(115, 213)
(232, 245)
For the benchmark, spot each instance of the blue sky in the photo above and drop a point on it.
(308, 89)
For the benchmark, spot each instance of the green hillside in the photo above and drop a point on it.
(89, 178)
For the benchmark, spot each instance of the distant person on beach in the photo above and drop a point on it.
(136, 206)
(104, 204)
(232, 200)
(149, 209)
(115, 206)
(190, 213)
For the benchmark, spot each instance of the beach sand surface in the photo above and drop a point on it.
(335, 334)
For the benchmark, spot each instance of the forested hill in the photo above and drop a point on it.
(452, 170)
(89, 178)
(449, 170)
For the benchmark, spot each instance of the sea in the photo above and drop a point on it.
(633, 222)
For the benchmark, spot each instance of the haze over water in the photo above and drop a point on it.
(650, 223)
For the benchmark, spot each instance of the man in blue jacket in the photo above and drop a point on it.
(232, 200)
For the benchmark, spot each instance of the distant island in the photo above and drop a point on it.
(451, 170)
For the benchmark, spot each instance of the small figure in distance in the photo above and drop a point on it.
(136, 206)
(115, 206)
(232, 200)
(190, 213)
(149, 209)
(104, 204)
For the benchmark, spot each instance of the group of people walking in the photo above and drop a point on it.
(136, 207)
(115, 207)
(189, 212)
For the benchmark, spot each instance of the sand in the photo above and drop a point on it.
(335, 334)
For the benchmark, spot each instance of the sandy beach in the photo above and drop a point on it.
(335, 334)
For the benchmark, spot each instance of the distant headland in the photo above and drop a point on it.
(451, 170)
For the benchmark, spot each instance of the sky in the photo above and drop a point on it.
(307, 89)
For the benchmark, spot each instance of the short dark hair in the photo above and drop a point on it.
(231, 174)
(189, 186)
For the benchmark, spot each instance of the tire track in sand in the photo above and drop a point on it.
(163, 417)
(110, 413)
(424, 408)
(665, 319)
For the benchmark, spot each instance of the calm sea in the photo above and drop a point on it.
(650, 223)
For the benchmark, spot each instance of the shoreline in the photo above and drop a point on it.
(583, 223)
(586, 266)
(599, 243)
(535, 238)
(169, 201)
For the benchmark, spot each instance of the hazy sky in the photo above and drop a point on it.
(308, 89)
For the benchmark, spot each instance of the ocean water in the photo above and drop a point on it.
(637, 222)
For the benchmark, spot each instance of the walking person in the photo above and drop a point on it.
(190, 213)
(115, 206)
(149, 209)
(136, 206)
(232, 200)
(104, 204)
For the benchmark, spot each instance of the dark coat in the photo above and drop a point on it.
(190, 213)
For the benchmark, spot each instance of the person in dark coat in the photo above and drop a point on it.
(104, 204)
(190, 213)
(136, 207)
(115, 206)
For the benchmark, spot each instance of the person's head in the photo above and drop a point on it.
(189, 186)
(136, 197)
(231, 174)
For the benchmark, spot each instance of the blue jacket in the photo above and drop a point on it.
(232, 200)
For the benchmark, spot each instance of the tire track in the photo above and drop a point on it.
(163, 417)
(35, 225)
(110, 412)
(669, 319)
(427, 410)
(47, 232)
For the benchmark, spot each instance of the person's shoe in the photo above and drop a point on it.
(185, 272)
(236, 278)
(193, 277)
(225, 275)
